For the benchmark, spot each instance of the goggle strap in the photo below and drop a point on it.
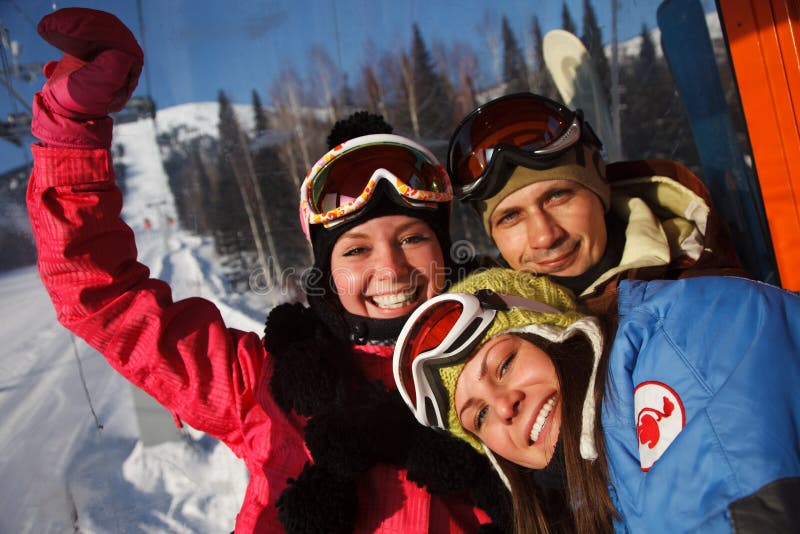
(410, 202)
(377, 176)
(432, 414)
(578, 131)
(497, 301)
(430, 196)
(514, 301)
(567, 139)
(465, 344)
(499, 169)
(432, 400)
(463, 337)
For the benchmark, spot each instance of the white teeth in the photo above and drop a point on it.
(395, 300)
(541, 419)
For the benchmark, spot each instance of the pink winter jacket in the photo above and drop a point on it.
(213, 377)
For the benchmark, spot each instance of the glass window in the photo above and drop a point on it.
(235, 104)
(423, 66)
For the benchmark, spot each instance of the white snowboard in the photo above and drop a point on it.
(570, 66)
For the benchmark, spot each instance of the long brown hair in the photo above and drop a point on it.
(584, 504)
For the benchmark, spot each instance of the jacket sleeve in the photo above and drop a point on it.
(181, 353)
(719, 257)
(703, 375)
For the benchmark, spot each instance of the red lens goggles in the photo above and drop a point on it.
(445, 330)
(521, 129)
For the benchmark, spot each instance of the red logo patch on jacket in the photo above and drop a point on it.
(660, 417)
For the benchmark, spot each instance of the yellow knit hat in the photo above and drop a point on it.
(510, 282)
(584, 165)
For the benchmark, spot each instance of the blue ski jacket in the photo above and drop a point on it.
(701, 414)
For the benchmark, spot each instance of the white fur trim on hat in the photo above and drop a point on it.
(493, 461)
(590, 327)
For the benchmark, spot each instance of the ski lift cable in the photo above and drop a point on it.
(25, 15)
(83, 381)
(12, 94)
(336, 33)
(7, 74)
(144, 50)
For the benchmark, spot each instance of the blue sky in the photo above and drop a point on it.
(194, 48)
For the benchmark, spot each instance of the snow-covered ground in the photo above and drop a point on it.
(72, 456)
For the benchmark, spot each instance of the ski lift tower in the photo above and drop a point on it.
(16, 125)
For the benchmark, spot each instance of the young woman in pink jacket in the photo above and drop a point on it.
(310, 408)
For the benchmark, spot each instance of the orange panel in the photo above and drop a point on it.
(763, 39)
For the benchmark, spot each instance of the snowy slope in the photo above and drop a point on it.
(72, 459)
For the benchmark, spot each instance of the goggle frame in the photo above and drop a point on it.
(416, 197)
(503, 155)
(420, 384)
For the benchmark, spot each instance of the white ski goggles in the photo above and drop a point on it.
(441, 332)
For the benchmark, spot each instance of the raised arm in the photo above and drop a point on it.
(181, 353)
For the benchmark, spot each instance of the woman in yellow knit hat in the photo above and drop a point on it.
(677, 414)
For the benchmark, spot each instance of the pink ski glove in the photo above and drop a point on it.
(96, 76)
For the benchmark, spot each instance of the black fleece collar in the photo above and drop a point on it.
(615, 230)
(369, 331)
(355, 424)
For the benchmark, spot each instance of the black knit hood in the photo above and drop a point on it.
(355, 424)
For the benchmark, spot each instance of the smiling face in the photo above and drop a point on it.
(508, 395)
(387, 266)
(551, 227)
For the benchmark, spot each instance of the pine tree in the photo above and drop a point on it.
(228, 124)
(281, 194)
(188, 179)
(376, 101)
(567, 23)
(645, 67)
(410, 94)
(432, 105)
(493, 44)
(346, 98)
(636, 115)
(226, 212)
(236, 150)
(654, 124)
(327, 80)
(465, 99)
(260, 118)
(196, 190)
(442, 66)
(593, 41)
(290, 103)
(515, 72)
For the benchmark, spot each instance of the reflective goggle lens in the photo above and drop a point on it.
(528, 122)
(346, 177)
(427, 333)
